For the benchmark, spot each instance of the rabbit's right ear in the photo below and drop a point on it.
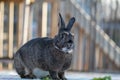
(70, 24)
(61, 23)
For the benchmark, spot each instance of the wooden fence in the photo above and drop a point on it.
(94, 50)
(13, 33)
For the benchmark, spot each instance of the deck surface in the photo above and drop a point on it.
(12, 75)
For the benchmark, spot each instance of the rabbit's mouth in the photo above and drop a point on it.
(66, 50)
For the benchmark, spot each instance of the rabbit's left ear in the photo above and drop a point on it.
(70, 24)
(61, 23)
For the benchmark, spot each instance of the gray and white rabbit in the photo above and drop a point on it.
(46, 56)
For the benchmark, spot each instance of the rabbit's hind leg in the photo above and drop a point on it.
(27, 74)
(30, 76)
(19, 67)
(22, 71)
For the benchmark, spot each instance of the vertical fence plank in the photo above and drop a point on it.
(75, 56)
(10, 66)
(84, 51)
(11, 24)
(54, 17)
(39, 18)
(1, 27)
(80, 50)
(1, 30)
(20, 24)
(26, 20)
(97, 53)
(44, 19)
(101, 59)
(1, 66)
(87, 53)
(30, 23)
(11, 28)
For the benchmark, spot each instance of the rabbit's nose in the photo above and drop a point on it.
(70, 45)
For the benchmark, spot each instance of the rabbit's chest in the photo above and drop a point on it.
(60, 63)
(67, 62)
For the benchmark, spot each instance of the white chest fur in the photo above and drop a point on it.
(67, 50)
(39, 73)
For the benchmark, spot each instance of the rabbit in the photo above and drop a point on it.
(47, 56)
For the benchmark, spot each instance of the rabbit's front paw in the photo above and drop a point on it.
(64, 78)
(54, 75)
(62, 75)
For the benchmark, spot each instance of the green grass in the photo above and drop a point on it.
(46, 78)
(103, 78)
(100, 78)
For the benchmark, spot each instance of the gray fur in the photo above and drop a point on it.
(46, 54)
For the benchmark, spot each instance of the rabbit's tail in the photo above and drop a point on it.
(19, 66)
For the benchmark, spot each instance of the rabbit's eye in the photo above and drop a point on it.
(62, 35)
(70, 41)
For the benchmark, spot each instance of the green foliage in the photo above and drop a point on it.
(104, 78)
(46, 78)
(100, 78)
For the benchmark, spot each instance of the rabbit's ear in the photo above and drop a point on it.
(61, 23)
(70, 24)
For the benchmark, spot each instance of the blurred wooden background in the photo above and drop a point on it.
(22, 20)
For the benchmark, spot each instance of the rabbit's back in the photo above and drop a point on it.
(34, 51)
(39, 42)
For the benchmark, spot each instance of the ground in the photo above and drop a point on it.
(7, 75)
